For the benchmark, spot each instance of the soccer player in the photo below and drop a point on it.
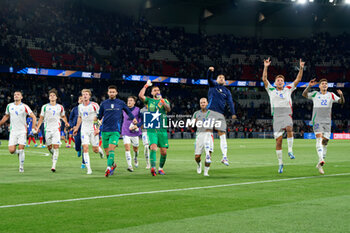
(30, 132)
(218, 96)
(111, 110)
(17, 112)
(131, 132)
(73, 118)
(145, 140)
(321, 116)
(87, 118)
(202, 115)
(51, 114)
(157, 137)
(281, 109)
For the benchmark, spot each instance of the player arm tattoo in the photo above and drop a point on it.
(306, 91)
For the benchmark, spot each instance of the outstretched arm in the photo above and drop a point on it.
(300, 74)
(311, 84)
(267, 63)
(143, 90)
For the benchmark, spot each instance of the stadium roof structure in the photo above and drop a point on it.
(247, 17)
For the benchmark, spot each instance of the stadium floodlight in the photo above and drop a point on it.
(301, 1)
(347, 1)
(331, 1)
(311, 0)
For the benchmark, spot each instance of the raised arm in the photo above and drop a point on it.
(311, 84)
(267, 63)
(300, 74)
(210, 76)
(143, 90)
(342, 99)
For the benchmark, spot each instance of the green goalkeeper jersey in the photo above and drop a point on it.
(154, 105)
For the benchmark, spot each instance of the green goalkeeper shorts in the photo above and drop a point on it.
(110, 138)
(158, 137)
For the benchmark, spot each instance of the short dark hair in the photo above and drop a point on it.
(133, 97)
(323, 80)
(53, 91)
(18, 91)
(112, 87)
(154, 87)
(280, 76)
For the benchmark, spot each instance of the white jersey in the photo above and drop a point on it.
(18, 117)
(52, 117)
(322, 110)
(88, 114)
(281, 101)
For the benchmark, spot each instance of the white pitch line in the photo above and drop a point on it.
(35, 152)
(169, 190)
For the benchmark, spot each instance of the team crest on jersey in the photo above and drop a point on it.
(112, 105)
(85, 113)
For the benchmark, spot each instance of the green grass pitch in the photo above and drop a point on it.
(254, 200)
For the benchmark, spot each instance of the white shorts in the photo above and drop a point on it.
(17, 138)
(280, 124)
(145, 138)
(90, 137)
(131, 140)
(200, 143)
(53, 138)
(324, 128)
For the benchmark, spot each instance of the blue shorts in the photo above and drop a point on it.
(71, 132)
(40, 134)
(63, 134)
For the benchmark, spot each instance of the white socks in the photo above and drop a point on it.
(100, 151)
(87, 162)
(206, 170)
(21, 157)
(146, 152)
(324, 151)
(54, 158)
(223, 145)
(319, 149)
(290, 144)
(207, 139)
(279, 157)
(128, 158)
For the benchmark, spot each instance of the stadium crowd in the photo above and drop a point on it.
(70, 39)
